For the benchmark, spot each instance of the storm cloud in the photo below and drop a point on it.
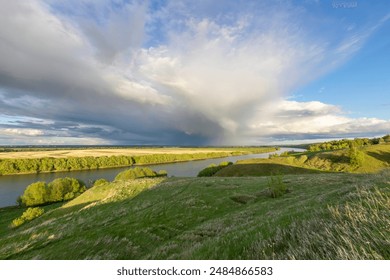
(119, 72)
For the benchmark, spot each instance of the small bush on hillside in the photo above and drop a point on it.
(99, 182)
(213, 168)
(139, 172)
(60, 189)
(276, 186)
(356, 157)
(28, 215)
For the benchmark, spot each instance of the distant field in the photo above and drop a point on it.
(110, 152)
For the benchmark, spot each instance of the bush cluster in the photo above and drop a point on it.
(139, 172)
(346, 143)
(99, 182)
(28, 215)
(61, 189)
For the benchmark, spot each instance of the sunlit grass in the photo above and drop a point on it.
(323, 216)
(376, 158)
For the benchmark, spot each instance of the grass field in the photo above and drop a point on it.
(376, 157)
(323, 216)
(114, 152)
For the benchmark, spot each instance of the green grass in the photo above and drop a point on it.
(376, 158)
(323, 216)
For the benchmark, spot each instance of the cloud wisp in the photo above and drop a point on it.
(133, 73)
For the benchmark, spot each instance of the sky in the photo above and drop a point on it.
(222, 72)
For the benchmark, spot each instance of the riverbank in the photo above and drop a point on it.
(42, 161)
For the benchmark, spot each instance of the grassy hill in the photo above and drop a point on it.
(322, 216)
(376, 157)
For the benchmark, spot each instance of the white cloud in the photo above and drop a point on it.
(21, 131)
(314, 119)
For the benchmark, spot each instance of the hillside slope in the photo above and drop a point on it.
(323, 216)
(375, 158)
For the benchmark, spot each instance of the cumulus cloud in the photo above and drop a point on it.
(129, 72)
(308, 120)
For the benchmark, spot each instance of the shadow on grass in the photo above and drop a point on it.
(89, 222)
(264, 169)
(382, 156)
(335, 158)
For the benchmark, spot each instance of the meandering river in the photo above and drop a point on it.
(12, 186)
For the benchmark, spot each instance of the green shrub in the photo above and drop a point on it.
(28, 215)
(356, 157)
(63, 189)
(276, 186)
(138, 172)
(60, 189)
(99, 182)
(213, 168)
(35, 194)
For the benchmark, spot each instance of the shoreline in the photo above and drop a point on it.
(139, 164)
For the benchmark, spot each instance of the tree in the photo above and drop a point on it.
(356, 157)
(60, 189)
(35, 194)
(65, 189)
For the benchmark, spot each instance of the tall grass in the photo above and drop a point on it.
(358, 229)
(326, 216)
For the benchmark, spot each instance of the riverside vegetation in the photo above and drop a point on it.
(314, 205)
(156, 155)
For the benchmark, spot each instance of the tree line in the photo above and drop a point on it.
(347, 143)
(49, 164)
(15, 166)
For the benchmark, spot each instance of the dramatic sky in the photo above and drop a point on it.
(206, 72)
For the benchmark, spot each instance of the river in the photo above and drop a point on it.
(12, 186)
